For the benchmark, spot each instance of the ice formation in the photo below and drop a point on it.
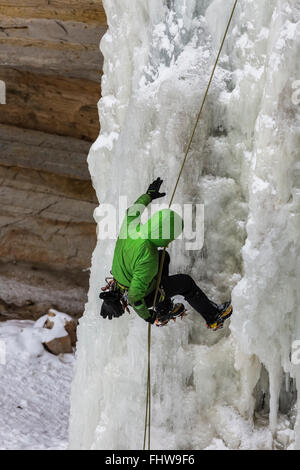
(209, 390)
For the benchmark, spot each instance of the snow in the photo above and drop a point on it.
(34, 389)
(209, 390)
(58, 321)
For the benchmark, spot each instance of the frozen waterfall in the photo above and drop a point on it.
(236, 388)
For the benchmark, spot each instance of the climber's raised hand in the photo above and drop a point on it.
(154, 188)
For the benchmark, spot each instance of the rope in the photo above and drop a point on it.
(148, 395)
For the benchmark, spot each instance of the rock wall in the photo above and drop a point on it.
(51, 64)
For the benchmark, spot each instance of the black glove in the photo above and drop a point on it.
(111, 306)
(152, 318)
(154, 188)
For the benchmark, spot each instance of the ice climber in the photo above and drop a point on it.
(136, 265)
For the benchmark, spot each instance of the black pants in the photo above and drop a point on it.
(183, 284)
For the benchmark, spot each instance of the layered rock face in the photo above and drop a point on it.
(51, 65)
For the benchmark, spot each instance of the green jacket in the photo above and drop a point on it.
(135, 262)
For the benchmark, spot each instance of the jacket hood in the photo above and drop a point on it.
(162, 228)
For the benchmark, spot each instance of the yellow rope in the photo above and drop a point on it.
(148, 395)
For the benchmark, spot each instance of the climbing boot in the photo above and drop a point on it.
(201, 303)
(168, 311)
(224, 312)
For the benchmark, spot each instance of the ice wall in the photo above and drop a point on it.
(243, 167)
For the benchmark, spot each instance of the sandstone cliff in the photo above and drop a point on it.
(51, 64)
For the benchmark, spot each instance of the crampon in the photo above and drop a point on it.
(225, 313)
(178, 310)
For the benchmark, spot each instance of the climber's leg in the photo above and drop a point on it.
(183, 284)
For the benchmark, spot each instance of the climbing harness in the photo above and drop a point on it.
(115, 294)
(148, 388)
